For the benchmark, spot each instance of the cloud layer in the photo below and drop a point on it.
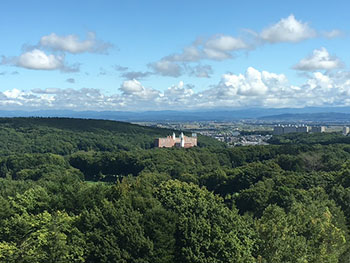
(72, 43)
(37, 58)
(254, 88)
(221, 47)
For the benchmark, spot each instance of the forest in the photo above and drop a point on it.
(74, 190)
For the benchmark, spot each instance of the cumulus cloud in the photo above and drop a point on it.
(131, 86)
(54, 98)
(222, 47)
(320, 59)
(189, 54)
(288, 30)
(38, 60)
(249, 84)
(12, 94)
(225, 43)
(215, 54)
(72, 43)
(266, 89)
(36, 57)
(319, 81)
(199, 71)
(324, 90)
(178, 93)
(253, 88)
(217, 47)
(166, 68)
(134, 88)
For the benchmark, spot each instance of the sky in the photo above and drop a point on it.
(173, 55)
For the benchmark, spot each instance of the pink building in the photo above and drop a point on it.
(171, 141)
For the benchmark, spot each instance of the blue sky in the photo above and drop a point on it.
(156, 55)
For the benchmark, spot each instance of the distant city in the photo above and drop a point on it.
(284, 129)
(242, 133)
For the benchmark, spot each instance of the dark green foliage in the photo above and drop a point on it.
(65, 136)
(307, 233)
(206, 230)
(307, 138)
(93, 191)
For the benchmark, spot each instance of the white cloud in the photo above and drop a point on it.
(319, 60)
(253, 88)
(221, 47)
(37, 59)
(266, 89)
(134, 88)
(216, 54)
(131, 86)
(72, 44)
(166, 68)
(54, 98)
(288, 30)
(218, 47)
(189, 54)
(322, 90)
(47, 91)
(332, 34)
(12, 94)
(225, 43)
(319, 81)
(250, 84)
(199, 71)
(178, 92)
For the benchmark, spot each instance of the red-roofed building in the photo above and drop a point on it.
(171, 141)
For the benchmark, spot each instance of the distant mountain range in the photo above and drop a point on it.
(260, 114)
(320, 117)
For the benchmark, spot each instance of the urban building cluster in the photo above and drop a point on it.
(284, 129)
(173, 141)
(247, 140)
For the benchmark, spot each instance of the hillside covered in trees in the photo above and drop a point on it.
(96, 191)
(66, 135)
